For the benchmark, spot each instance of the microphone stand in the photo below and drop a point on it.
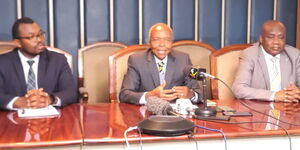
(205, 110)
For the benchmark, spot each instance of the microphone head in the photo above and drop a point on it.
(194, 73)
(158, 106)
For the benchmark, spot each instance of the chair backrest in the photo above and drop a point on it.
(6, 46)
(224, 65)
(67, 55)
(94, 71)
(199, 53)
(118, 68)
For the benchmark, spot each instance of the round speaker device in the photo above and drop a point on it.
(166, 125)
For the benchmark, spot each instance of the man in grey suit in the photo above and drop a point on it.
(159, 71)
(269, 70)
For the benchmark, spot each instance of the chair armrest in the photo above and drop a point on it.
(83, 95)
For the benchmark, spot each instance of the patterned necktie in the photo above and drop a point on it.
(275, 76)
(160, 66)
(31, 76)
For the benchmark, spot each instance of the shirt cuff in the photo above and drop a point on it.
(272, 96)
(58, 103)
(10, 106)
(195, 98)
(143, 99)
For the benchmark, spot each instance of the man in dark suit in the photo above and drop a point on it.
(269, 70)
(30, 75)
(159, 71)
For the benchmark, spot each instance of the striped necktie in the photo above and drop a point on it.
(275, 76)
(31, 77)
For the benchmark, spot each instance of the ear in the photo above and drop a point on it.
(17, 42)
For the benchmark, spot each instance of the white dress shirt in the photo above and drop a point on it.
(268, 59)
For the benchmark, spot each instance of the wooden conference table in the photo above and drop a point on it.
(101, 126)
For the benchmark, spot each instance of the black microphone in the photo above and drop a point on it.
(157, 106)
(197, 73)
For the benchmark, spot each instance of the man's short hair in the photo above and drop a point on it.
(15, 28)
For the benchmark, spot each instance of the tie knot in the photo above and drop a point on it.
(30, 62)
(274, 59)
(160, 66)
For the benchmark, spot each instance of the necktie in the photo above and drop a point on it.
(31, 77)
(275, 76)
(160, 67)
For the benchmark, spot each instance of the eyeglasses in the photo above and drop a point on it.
(34, 37)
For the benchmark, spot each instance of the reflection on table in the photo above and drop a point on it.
(36, 132)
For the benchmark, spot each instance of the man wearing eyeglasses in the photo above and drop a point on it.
(30, 75)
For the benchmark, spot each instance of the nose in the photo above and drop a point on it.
(162, 42)
(276, 40)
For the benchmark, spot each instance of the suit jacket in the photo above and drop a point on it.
(54, 75)
(252, 80)
(142, 75)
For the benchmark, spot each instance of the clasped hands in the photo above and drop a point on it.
(289, 95)
(35, 98)
(171, 94)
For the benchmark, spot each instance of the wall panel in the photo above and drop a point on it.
(210, 22)
(96, 21)
(126, 21)
(182, 20)
(8, 14)
(154, 11)
(236, 21)
(287, 14)
(261, 12)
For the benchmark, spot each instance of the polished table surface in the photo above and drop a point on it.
(105, 123)
(54, 131)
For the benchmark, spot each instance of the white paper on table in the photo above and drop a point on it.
(40, 112)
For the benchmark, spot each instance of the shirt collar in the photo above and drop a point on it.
(268, 56)
(25, 59)
(157, 60)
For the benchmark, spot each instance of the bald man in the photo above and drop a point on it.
(269, 70)
(159, 71)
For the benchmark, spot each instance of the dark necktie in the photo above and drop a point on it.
(31, 77)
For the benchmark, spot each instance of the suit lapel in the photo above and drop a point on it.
(42, 68)
(284, 65)
(153, 68)
(263, 67)
(170, 70)
(19, 70)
